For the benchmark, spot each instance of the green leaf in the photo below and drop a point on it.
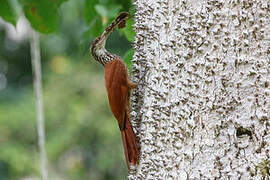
(126, 4)
(96, 28)
(89, 10)
(110, 12)
(42, 14)
(101, 10)
(6, 12)
(114, 11)
(59, 2)
(128, 57)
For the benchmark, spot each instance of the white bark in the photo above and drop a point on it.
(36, 68)
(202, 109)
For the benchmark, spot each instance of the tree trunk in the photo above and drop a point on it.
(202, 108)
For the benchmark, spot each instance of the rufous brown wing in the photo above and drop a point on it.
(118, 89)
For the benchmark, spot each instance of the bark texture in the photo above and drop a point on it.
(202, 109)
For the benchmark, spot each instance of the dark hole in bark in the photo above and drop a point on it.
(243, 131)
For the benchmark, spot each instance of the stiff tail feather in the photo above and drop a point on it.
(129, 143)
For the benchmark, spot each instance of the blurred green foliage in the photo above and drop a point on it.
(7, 13)
(83, 139)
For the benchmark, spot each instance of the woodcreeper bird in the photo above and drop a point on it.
(118, 87)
